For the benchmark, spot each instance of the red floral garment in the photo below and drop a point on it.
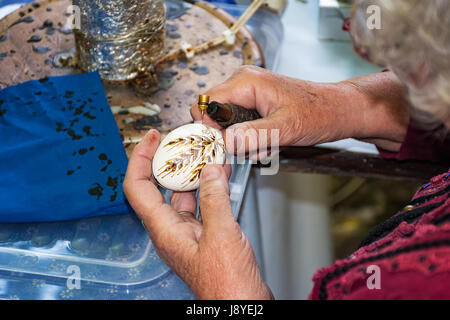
(411, 250)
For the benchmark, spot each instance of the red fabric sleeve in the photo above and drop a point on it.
(411, 253)
(425, 145)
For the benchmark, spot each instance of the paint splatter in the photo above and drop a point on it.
(41, 49)
(73, 135)
(173, 35)
(171, 27)
(50, 31)
(82, 151)
(237, 54)
(89, 116)
(201, 70)
(74, 121)
(59, 127)
(28, 19)
(112, 182)
(113, 197)
(47, 24)
(65, 30)
(34, 38)
(166, 79)
(78, 110)
(146, 122)
(106, 167)
(70, 132)
(96, 191)
(167, 73)
(87, 130)
(3, 55)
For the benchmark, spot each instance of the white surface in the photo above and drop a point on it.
(329, 3)
(249, 220)
(294, 219)
(352, 145)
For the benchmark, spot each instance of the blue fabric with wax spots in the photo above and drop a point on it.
(61, 154)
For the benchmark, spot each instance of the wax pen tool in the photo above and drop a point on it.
(226, 114)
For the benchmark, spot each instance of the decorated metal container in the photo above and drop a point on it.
(120, 39)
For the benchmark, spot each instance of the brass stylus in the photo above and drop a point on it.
(226, 114)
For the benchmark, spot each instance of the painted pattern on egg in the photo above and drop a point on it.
(184, 152)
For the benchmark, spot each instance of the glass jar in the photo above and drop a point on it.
(120, 39)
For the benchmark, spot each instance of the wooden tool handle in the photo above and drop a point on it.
(227, 114)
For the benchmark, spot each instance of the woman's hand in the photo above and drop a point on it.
(371, 108)
(213, 256)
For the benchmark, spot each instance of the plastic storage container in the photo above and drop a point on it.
(109, 257)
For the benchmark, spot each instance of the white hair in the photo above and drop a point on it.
(413, 42)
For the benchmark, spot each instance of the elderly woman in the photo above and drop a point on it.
(405, 111)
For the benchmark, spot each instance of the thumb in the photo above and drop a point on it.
(214, 199)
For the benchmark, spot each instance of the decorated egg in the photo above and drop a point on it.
(184, 152)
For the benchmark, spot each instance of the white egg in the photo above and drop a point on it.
(184, 152)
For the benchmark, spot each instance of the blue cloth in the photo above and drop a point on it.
(61, 154)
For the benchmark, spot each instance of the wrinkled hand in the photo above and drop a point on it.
(213, 256)
(296, 108)
(372, 108)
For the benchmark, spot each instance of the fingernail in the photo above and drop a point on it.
(209, 172)
(151, 134)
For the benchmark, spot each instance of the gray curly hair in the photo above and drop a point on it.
(413, 42)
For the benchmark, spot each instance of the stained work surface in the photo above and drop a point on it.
(31, 37)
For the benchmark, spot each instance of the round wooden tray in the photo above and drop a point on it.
(198, 23)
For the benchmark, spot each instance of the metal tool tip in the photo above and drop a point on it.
(203, 99)
(203, 102)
